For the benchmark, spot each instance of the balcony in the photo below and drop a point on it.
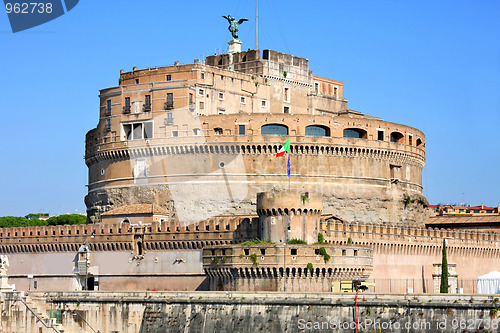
(126, 109)
(147, 107)
(169, 105)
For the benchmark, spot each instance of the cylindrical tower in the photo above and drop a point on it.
(289, 215)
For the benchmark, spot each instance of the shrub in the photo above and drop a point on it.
(349, 241)
(326, 256)
(296, 241)
(256, 241)
(321, 239)
(254, 259)
(310, 267)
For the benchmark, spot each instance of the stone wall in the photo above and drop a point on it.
(249, 312)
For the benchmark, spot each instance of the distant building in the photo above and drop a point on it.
(38, 216)
(135, 214)
(452, 210)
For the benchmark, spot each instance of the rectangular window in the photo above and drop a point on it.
(221, 96)
(221, 111)
(395, 171)
(191, 99)
(241, 129)
(108, 125)
(147, 103)
(126, 108)
(316, 88)
(136, 81)
(169, 120)
(202, 75)
(202, 105)
(410, 140)
(169, 77)
(201, 92)
(286, 94)
(293, 252)
(380, 135)
(170, 101)
(286, 109)
(264, 104)
(137, 131)
(175, 133)
(148, 130)
(108, 107)
(335, 89)
(243, 100)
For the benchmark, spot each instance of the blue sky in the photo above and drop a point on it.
(433, 65)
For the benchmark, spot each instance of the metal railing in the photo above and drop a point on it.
(39, 319)
(422, 286)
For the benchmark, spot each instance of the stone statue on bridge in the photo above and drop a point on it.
(4, 263)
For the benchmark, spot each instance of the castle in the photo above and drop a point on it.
(200, 140)
(183, 170)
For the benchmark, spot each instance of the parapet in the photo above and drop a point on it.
(283, 202)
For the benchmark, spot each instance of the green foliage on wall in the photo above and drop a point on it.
(256, 241)
(326, 256)
(296, 241)
(254, 259)
(310, 267)
(321, 239)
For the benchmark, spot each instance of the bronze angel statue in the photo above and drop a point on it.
(233, 25)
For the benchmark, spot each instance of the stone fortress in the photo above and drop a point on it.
(166, 133)
(182, 170)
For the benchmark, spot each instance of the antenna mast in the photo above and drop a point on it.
(257, 26)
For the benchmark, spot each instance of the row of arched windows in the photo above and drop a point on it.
(324, 131)
(289, 272)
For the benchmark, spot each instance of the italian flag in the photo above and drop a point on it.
(284, 149)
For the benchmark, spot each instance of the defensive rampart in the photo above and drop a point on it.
(247, 312)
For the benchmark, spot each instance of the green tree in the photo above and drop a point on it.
(444, 271)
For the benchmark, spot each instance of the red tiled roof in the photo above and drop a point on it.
(479, 207)
(451, 220)
(136, 210)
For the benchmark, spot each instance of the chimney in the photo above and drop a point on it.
(176, 63)
(134, 68)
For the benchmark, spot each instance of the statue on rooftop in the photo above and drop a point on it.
(233, 25)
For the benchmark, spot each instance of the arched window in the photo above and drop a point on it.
(274, 129)
(356, 133)
(419, 143)
(317, 130)
(397, 137)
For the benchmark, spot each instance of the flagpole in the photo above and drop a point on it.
(289, 171)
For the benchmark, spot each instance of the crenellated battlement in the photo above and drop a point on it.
(227, 230)
(336, 232)
(122, 236)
